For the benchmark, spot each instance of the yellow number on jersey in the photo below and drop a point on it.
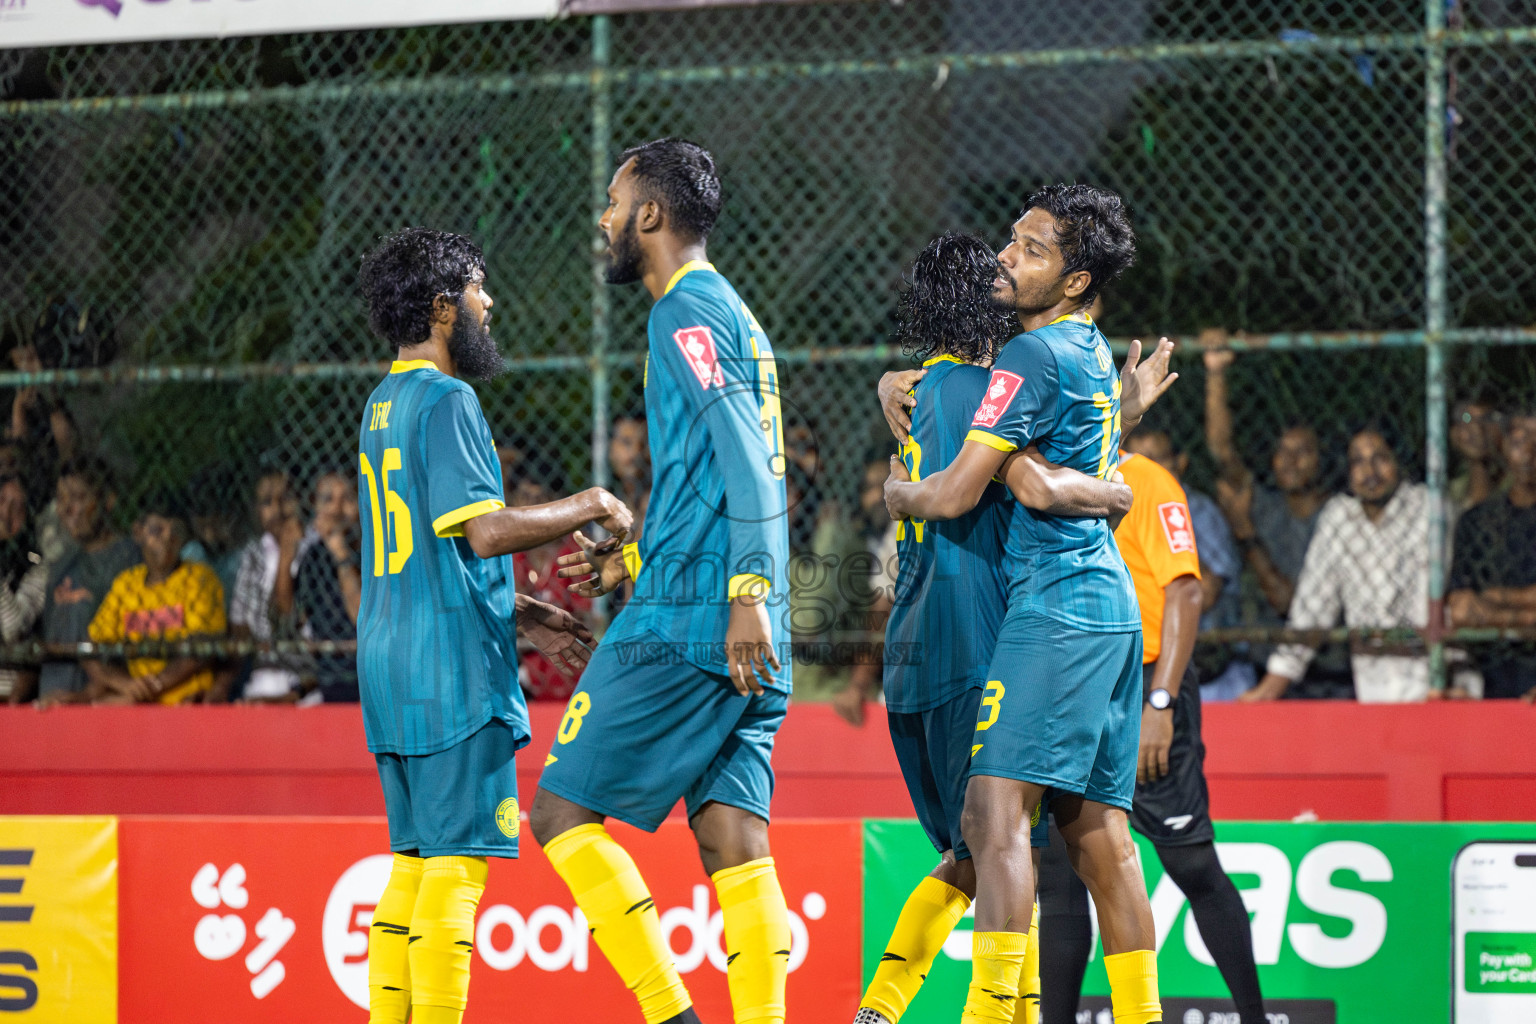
(1108, 406)
(992, 701)
(771, 411)
(912, 455)
(570, 725)
(399, 515)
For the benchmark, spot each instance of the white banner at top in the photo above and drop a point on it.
(67, 22)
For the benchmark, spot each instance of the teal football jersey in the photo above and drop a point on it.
(1057, 388)
(436, 635)
(716, 525)
(952, 582)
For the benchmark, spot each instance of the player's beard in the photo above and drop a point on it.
(623, 263)
(1010, 298)
(470, 346)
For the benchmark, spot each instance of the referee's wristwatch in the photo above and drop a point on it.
(1160, 699)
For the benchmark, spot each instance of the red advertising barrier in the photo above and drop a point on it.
(1460, 761)
(257, 920)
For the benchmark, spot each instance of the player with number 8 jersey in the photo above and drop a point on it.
(684, 697)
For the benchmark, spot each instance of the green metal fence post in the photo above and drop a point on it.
(1434, 325)
(602, 103)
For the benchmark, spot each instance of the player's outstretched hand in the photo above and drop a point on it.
(896, 398)
(749, 645)
(597, 568)
(560, 636)
(1143, 382)
(899, 475)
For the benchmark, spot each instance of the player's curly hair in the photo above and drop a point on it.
(406, 272)
(946, 306)
(1093, 231)
(680, 176)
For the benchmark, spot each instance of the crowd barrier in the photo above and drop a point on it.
(1333, 760)
(182, 920)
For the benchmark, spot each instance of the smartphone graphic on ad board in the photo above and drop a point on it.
(1493, 935)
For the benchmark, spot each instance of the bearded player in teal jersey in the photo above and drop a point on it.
(952, 587)
(436, 655)
(1062, 706)
(684, 696)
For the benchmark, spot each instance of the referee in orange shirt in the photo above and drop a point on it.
(1172, 806)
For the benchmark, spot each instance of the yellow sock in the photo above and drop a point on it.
(930, 914)
(389, 969)
(443, 937)
(1028, 1009)
(610, 892)
(756, 939)
(1133, 987)
(997, 960)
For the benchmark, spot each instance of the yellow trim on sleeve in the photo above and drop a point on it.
(407, 365)
(942, 359)
(632, 562)
(451, 524)
(685, 270)
(747, 584)
(991, 441)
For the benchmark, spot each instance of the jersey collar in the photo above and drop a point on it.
(1079, 317)
(407, 365)
(942, 359)
(684, 270)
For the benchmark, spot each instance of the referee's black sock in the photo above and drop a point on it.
(1223, 921)
(1066, 935)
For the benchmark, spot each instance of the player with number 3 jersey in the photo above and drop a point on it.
(1063, 706)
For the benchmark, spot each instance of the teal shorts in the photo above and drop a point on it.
(1062, 709)
(459, 802)
(933, 749)
(645, 729)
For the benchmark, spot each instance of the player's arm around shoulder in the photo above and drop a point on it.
(1021, 383)
(1057, 490)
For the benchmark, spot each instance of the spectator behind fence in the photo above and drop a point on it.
(629, 460)
(329, 587)
(1493, 574)
(333, 499)
(539, 480)
(42, 506)
(1224, 669)
(40, 423)
(273, 677)
(218, 524)
(1271, 527)
(80, 580)
(1368, 560)
(162, 598)
(1476, 437)
(23, 584)
(867, 595)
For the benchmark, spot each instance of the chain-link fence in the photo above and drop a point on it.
(1344, 187)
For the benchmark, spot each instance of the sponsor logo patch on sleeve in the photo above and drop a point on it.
(1176, 526)
(698, 347)
(1000, 392)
